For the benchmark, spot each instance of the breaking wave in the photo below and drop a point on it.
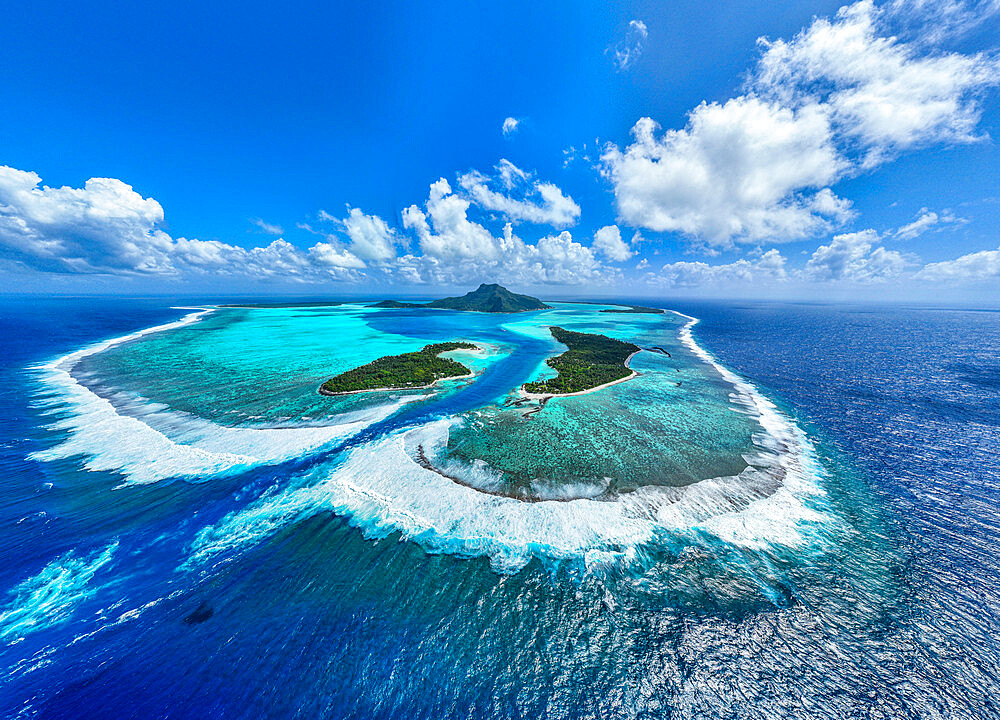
(151, 443)
(50, 597)
(384, 488)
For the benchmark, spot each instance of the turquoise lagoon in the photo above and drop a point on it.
(682, 453)
(194, 531)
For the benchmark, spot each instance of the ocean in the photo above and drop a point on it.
(793, 514)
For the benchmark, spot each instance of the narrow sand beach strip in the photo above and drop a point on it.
(546, 396)
(481, 349)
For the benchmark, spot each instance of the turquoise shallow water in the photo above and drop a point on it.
(675, 424)
(253, 365)
(683, 449)
(202, 534)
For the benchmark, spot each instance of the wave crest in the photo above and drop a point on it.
(153, 444)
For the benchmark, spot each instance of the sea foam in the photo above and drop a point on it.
(49, 597)
(775, 503)
(152, 443)
(384, 489)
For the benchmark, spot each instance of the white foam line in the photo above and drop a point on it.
(66, 363)
(109, 440)
(383, 489)
(51, 596)
(795, 452)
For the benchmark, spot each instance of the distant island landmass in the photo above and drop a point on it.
(486, 298)
(282, 305)
(408, 371)
(635, 309)
(592, 361)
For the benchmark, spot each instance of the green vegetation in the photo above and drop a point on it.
(486, 298)
(395, 304)
(635, 309)
(491, 298)
(591, 360)
(401, 372)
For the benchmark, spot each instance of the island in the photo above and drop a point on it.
(409, 371)
(395, 304)
(591, 362)
(486, 298)
(282, 305)
(635, 309)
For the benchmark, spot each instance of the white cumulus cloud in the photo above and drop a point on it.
(974, 267)
(334, 255)
(769, 267)
(855, 257)
(510, 125)
(838, 99)
(456, 249)
(445, 231)
(371, 238)
(744, 170)
(882, 93)
(106, 227)
(608, 242)
(524, 198)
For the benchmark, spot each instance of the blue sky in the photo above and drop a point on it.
(725, 149)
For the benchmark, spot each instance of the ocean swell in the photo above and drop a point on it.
(51, 596)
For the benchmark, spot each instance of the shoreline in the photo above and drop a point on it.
(546, 396)
(796, 452)
(422, 460)
(480, 348)
(328, 393)
(67, 362)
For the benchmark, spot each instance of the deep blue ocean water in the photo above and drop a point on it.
(901, 620)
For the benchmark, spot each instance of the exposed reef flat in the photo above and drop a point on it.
(409, 371)
(421, 458)
(591, 363)
(523, 495)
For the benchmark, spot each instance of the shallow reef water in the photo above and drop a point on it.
(789, 512)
